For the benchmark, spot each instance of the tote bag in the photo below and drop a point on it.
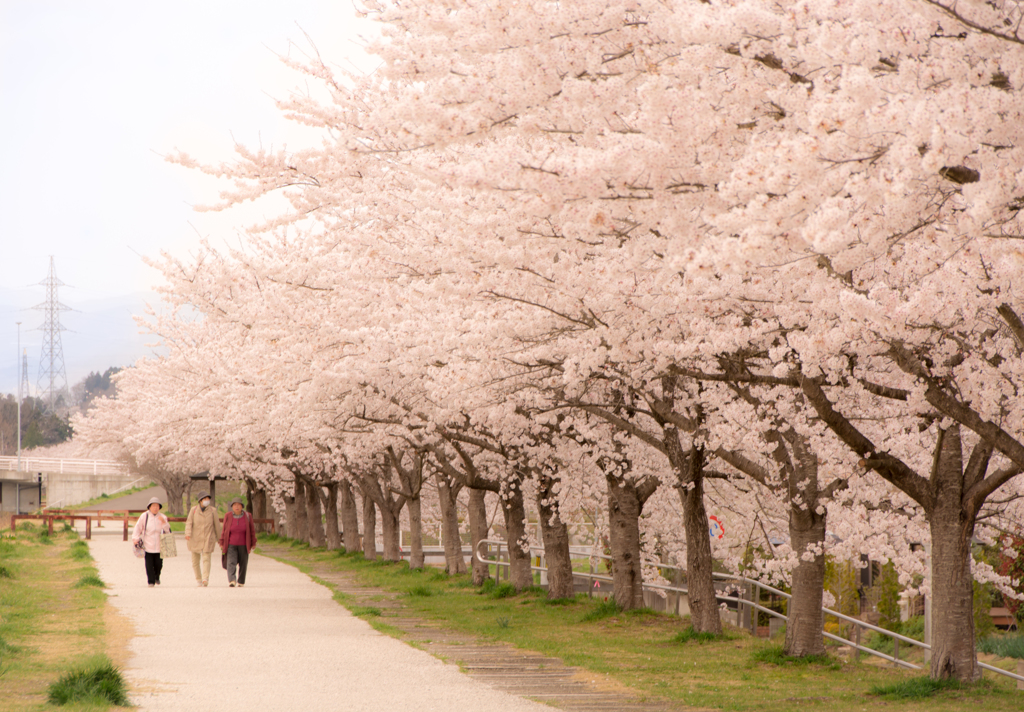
(168, 547)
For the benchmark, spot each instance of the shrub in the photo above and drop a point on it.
(96, 682)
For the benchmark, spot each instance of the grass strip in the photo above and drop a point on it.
(51, 619)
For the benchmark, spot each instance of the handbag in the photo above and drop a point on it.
(139, 549)
(168, 547)
(224, 561)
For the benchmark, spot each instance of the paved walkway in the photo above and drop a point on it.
(281, 643)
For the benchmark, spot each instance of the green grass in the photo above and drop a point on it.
(649, 652)
(916, 688)
(90, 580)
(6, 572)
(79, 551)
(1005, 646)
(775, 655)
(96, 681)
(420, 590)
(48, 624)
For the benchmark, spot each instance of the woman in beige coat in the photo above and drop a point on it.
(202, 532)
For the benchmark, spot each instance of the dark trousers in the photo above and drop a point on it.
(237, 556)
(154, 564)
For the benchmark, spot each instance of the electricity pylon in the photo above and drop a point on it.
(52, 387)
(24, 390)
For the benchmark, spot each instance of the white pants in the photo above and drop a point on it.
(204, 559)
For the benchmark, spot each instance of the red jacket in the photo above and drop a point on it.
(245, 521)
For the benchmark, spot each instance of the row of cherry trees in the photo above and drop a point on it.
(620, 263)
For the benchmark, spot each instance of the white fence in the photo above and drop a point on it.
(64, 466)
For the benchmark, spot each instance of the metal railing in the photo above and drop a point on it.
(753, 603)
(64, 465)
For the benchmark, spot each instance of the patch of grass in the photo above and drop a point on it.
(916, 688)
(689, 635)
(604, 609)
(6, 572)
(421, 590)
(27, 527)
(775, 655)
(45, 538)
(503, 590)
(503, 622)
(96, 681)
(1005, 646)
(365, 611)
(90, 580)
(80, 551)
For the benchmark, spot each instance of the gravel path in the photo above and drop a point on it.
(281, 643)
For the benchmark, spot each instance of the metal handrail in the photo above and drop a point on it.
(64, 465)
(756, 606)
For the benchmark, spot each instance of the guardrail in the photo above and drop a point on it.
(99, 516)
(64, 465)
(753, 603)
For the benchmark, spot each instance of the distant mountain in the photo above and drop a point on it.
(100, 333)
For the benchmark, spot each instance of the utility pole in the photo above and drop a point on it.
(19, 398)
(53, 381)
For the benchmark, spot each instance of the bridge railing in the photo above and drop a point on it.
(64, 465)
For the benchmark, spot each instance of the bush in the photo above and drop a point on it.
(96, 682)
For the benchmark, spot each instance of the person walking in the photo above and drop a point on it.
(202, 533)
(147, 530)
(237, 539)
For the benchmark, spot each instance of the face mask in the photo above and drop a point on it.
(205, 503)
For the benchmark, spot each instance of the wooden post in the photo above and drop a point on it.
(49, 526)
(1020, 671)
(88, 527)
(125, 527)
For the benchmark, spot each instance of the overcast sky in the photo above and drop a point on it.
(93, 94)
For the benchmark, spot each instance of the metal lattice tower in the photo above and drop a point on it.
(24, 391)
(52, 386)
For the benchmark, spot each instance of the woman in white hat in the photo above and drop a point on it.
(202, 532)
(148, 530)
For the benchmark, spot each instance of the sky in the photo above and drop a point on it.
(93, 95)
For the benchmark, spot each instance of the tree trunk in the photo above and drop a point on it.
(275, 514)
(291, 517)
(175, 489)
(369, 528)
(624, 508)
(331, 517)
(806, 620)
(415, 534)
(556, 540)
(514, 509)
(301, 530)
(953, 652)
(448, 495)
(259, 508)
(314, 516)
(478, 531)
(390, 521)
(700, 585)
(349, 517)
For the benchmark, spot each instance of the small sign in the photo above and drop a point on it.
(715, 527)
